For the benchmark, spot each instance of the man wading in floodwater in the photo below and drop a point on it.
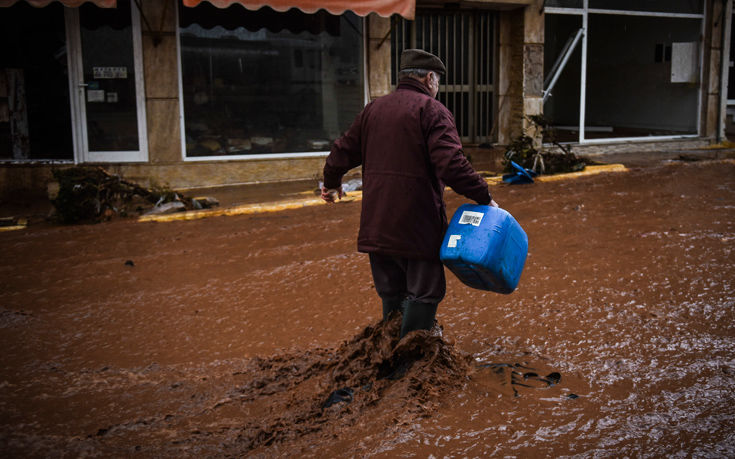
(409, 149)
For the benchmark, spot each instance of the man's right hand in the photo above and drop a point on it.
(331, 195)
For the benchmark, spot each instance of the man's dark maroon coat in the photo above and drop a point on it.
(409, 149)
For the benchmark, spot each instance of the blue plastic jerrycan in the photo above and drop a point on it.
(485, 248)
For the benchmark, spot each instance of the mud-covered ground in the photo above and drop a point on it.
(226, 336)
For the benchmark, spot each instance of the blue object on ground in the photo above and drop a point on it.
(485, 248)
(521, 175)
(517, 179)
(527, 172)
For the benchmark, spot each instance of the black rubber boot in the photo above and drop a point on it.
(390, 305)
(417, 315)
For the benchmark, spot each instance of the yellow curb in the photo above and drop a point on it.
(12, 228)
(494, 180)
(245, 209)
(720, 146)
(589, 170)
(249, 209)
(20, 223)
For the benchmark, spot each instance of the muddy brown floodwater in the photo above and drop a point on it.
(226, 336)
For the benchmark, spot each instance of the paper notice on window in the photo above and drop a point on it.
(684, 62)
(109, 72)
(111, 97)
(95, 95)
(471, 218)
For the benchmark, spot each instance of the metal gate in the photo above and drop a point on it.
(464, 40)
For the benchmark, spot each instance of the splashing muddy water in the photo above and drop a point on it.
(227, 336)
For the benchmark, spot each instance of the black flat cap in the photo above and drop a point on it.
(420, 59)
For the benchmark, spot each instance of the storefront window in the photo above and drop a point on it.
(35, 114)
(640, 77)
(263, 82)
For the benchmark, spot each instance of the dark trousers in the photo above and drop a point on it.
(414, 279)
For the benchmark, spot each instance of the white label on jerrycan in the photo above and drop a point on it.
(471, 218)
(453, 238)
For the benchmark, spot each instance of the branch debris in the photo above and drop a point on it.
(91, 194)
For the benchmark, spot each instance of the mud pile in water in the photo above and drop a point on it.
(323, 391)
(371, 382)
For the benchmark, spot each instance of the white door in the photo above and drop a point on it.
(106, 83)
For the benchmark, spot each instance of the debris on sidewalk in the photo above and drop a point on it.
(347, 186)
(205, 202)
(542, 161)
(167, 208)
(91, 194)
(352, 185)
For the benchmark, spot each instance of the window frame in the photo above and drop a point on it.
(255, 156)
(584, 12)
(82, 152)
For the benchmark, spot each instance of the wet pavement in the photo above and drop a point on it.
(227, 336)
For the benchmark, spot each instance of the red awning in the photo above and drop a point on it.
(405, 8)
(69, 3)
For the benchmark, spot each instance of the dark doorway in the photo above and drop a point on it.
(35, 115)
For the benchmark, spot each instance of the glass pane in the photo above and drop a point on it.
(109, 72)
(258, 82)
(35, 114)
(562, 107)
(632, 90)
(659, 6)
(564, 3)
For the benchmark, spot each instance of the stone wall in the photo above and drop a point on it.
(533, 68)
(718, 19)
(378, 53)
(32, 179)
(161, 72)
(510, 75)
(521, 71)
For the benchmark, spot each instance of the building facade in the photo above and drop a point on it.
(195, 93)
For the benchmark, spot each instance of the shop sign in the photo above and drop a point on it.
(109, 72)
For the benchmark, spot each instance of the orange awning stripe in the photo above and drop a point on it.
(405, 8)
(69, 3)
